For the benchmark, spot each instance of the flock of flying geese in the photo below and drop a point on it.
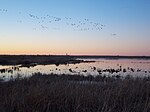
(84, 25)
(49, 22)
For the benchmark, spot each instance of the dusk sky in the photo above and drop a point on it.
(89, 27)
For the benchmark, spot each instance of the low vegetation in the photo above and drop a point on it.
(74, 93)
(33, 60)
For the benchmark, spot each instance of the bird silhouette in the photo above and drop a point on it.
(113, 34)
(3, 10)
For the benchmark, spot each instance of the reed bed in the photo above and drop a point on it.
(75, 93)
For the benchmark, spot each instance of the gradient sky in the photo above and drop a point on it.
(126, 28)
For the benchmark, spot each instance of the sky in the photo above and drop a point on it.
(77, 27)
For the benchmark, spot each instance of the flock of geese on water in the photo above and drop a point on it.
(52, 22)
(76, 70)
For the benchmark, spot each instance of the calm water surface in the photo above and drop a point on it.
(133, 67)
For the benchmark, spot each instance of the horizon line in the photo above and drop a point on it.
(90, 55)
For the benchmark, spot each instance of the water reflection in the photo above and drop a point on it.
(121, 67)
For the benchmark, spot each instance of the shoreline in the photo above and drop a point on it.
(31, 60)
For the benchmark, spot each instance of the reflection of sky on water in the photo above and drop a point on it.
(85, 68)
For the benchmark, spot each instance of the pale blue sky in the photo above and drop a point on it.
(125, 31)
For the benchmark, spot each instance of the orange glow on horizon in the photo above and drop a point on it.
(42, 52)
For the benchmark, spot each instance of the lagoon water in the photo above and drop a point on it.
(132, 67)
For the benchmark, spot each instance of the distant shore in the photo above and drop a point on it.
(111, 56)
(30, 60)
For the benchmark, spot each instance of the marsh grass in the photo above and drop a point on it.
(72, 93)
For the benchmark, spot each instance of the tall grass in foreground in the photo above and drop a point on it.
(66, 93)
